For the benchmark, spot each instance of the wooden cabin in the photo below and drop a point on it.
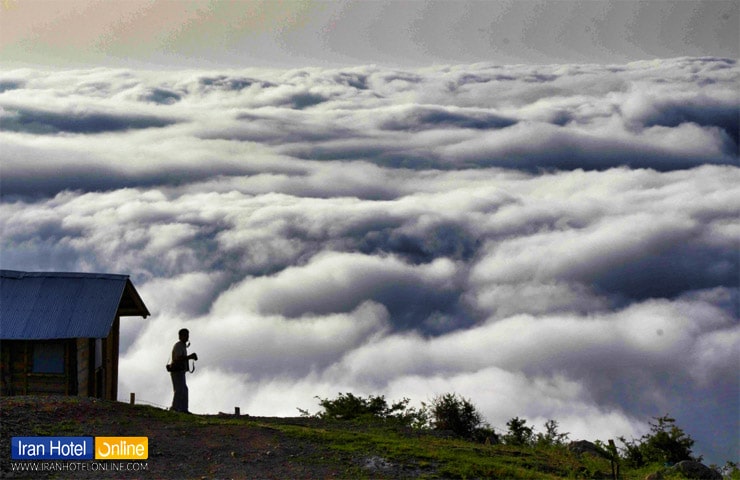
(59, 332)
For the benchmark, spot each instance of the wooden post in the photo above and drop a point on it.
(133, 398)
(614, 459)
(26, 363)
(236, 411)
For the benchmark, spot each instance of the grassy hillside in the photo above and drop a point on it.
(196, 446)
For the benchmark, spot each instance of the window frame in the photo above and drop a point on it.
(48, 358)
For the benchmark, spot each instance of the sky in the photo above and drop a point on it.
(531, 204)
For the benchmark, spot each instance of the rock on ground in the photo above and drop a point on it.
(697, 470)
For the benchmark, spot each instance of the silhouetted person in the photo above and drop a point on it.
(179, 367)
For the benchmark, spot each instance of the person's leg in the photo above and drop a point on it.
(184, 395)
(174, 391)
(180, 399)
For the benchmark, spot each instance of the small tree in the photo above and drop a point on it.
(348, 407)
(631, 453)
(666, 443)
(551, 435)
(519, 433)
(352, 407)
(456, 414)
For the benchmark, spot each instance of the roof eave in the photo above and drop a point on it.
(138, 308)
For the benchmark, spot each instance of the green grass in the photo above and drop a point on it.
(347, 446)
(431, 456)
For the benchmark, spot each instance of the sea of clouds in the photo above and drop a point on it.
(548, 241)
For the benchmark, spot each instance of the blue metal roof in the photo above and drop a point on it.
(46, 305)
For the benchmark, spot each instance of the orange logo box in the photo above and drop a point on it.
(121, 448)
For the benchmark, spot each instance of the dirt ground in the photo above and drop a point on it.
(180, 446)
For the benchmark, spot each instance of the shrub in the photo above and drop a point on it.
(485, 434)
(519, 433)
(666, 443)
(551, 436)
(632, 453)
(351, 407)
(460, 416)
(348, 407)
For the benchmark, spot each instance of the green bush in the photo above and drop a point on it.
(519, 433)
(458, 415)
(351, 407)
(551, 436)
(666, 443)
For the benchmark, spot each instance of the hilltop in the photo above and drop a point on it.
(225, 446)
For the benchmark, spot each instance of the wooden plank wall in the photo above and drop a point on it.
(83, 366)
(111, 361)
(5, 373)
(19, 379)
(79, 378)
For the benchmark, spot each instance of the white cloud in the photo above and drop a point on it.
(478, 229)
(338, 282)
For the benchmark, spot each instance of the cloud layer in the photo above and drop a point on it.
(550, 241)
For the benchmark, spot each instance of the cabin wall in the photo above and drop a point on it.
(6, 373)
(84, 381)
(111, 361)
(78, 366)
(39, 367)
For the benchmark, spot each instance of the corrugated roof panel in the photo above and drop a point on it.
(45, 305)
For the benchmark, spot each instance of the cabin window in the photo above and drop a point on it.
(48, 358)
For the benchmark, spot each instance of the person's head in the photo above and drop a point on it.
(184, 334)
